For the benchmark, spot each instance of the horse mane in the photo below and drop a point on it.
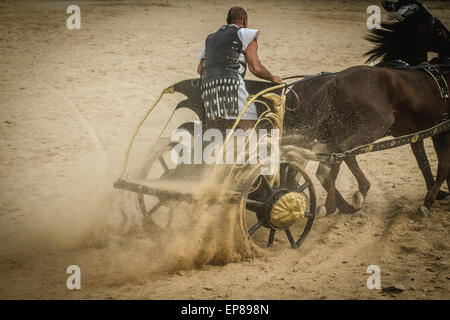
(394, 39)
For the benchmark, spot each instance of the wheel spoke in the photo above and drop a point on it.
(271, 238)
(288, 177)
(303, 187)
(253, 205)
(255, 227)
(291, 238)
(267, 185)
(284, 168)
(309, 215)
(163, 163)
(155, 207)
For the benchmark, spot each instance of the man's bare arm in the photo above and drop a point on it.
(200, 67)
(255, 65)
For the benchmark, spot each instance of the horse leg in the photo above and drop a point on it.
(431, 196)
(441, 143)
(323, 175)
(418, 150)
(363, 183)
(330, 202)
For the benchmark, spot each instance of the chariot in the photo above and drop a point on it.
(278, 197)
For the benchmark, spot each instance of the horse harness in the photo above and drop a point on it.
(438, 77)
(434, 72)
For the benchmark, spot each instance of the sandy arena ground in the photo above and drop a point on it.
(69, 102)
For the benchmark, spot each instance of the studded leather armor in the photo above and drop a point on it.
(220, 80)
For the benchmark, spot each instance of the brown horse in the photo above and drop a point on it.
(362, 104)
(398, 42)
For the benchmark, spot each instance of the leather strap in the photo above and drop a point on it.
(442, 84)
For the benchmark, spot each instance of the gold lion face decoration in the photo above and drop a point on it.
(289, 209)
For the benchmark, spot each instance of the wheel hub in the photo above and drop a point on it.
(288, 209)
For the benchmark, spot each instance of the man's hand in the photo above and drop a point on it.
(277, 79)
(255, 66)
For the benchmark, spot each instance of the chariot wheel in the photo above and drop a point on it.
(289, 209)
(158, 210)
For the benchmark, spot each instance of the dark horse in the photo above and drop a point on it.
(362, 104)
(398, 42)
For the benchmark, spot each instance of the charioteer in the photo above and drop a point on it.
(223, 64)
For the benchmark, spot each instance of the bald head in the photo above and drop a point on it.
(237, 15)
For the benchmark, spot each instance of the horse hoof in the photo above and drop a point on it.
(424, 211)
(357, 199)
(321, 212)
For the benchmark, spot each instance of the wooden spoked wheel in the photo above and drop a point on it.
(259, 198)
(156, 209)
